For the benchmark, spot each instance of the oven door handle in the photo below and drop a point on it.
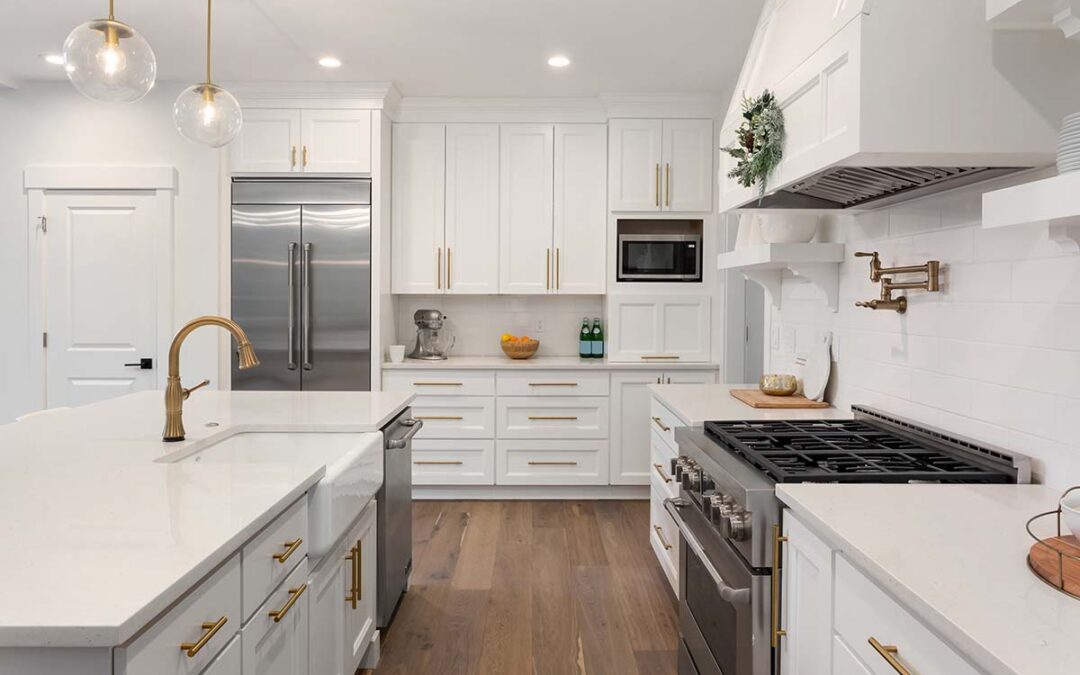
(730, 595)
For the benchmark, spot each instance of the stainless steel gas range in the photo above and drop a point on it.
(729, 517)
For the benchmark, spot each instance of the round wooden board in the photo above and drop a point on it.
(1044, 559)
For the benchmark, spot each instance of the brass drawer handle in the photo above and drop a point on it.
(552, 463)
(438, 269)
(438, 384)
(658, 184)
(290, 548)
(305, 155)
(292, 161)
(663, 539)
(660, 470)
(667, 185)
(278, 614)
(438, 417)
(660, 423)
(888, 652)
(438, 462)
(777, 631)
(353, 556)
(211, 628)
(659, 357)
(553, 384)
(566, 418)
(449, 274)
(359, 570)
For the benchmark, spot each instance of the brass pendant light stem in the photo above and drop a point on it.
(112, 16)
(208, 41)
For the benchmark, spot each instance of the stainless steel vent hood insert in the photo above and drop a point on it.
(849, 187)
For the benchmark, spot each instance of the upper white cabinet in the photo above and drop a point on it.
(659, 328)
(527, 194)
(275, 140)
(419, 187)
(661, 165)
(580, 235)
(472, 208)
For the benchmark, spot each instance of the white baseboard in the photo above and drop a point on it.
(509, 492)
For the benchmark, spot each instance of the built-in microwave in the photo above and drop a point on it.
(659, 257)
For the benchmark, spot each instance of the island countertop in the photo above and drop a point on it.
(101, 535)
(696, 404)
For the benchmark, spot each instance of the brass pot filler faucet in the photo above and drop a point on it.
(887, 301)
(175, 393)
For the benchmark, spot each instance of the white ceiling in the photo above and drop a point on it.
(428, 47)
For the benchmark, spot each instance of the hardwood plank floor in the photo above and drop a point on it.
(546, 587)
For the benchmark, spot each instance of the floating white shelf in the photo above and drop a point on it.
(1053, 203)
(765, 264)
(1025, 14)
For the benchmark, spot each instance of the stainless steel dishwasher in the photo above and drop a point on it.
(395, 514)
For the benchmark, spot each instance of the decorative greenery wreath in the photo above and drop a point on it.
(760, 144)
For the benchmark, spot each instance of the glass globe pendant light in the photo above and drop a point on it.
(108, 61)
(204, 112)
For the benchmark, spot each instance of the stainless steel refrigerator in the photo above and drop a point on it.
(301, 282)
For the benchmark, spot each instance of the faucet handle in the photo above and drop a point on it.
(188, 392)
(865, 254)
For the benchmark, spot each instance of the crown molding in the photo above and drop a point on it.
(372, 95)
(664, 105)
(463, 109)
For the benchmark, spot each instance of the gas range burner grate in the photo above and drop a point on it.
(845, 451)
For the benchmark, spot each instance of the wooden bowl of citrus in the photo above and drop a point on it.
(519, 347)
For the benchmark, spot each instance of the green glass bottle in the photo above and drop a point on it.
(585, 340)
(597, 340)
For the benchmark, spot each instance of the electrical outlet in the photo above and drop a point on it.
(539, 325)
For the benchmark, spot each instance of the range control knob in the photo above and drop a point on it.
(691, 480)
(707, 484)
(717, 504)
(737, 526)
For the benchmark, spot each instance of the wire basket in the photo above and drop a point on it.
(1056, 565)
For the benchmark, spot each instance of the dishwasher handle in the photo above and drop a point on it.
(414, 426)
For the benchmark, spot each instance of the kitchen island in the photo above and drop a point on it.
(108, 528)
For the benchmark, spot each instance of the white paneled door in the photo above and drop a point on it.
(419, 183)
(100, 295)
(635, 165)
(268, 142)
(472, 208)
(580, 225)
(336, 141)
(688, 173)
(526, 195)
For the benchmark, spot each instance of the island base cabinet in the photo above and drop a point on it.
(807, 596)
(275, 639)
(844, 661)
(229, 661)
(360, 620)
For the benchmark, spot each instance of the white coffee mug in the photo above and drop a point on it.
(397, 353)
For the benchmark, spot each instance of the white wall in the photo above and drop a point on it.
(44, 124)
(995, 356)
(477, 321)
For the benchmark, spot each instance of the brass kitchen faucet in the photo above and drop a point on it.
(877, 274)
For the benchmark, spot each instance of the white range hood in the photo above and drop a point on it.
(887, 100)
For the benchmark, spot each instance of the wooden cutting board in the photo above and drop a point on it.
(1046, 562)
(755, 398)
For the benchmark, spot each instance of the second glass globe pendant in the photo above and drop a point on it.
(108, 61)
(204, 112)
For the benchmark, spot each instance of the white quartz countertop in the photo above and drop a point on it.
(542, 362)
(955, 556)
(100, 537)
(696, 404)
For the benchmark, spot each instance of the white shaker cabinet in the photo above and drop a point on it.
(580, 221)
(290, 140)
(472, 209)
(630, 439)
(661, 165)
(360, 615)
(659, 328)
(526, 195)
(419, 184)
(229, 661)
(275, 638)
(269, 141)
(807, 579)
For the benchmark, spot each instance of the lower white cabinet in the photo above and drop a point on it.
(469, 461)
(229, 661)
(360, 616)
(807, 585)
(531, 462)
(844, 661)
(275, 638)
(659, 328)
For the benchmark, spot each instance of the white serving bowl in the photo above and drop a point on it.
(788, 228)
(1070, 512)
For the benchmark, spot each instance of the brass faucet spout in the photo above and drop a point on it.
(175, 393)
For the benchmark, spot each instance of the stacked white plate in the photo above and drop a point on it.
(1068, 157)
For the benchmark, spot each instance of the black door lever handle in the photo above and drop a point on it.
(142, 364)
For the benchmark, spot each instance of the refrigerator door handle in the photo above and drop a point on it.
(306, 283)
(291, 340)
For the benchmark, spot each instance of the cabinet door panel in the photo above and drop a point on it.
(228, 662)
(630, 436)
(268, 142)
(688, 165)
(580, 207)
(525, 222)
(806, 599)
(684, 326)
(336, 141)
(360, 621)
(472, 208)
(453, 462)
(280, 647)
(633, 328)
(418, 207)
(635, 165)
(330, 586)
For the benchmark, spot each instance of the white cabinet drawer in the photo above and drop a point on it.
(273, 553)
(530, 462)
(664, 422)
(844, 661)
(864, 611)
(441, 382)
(552, 383)
(455, 416)
(453, 462)
(205, 620)
(275, 639)
(664, 537)
(228, 662)
(553, 417)
(660, 466)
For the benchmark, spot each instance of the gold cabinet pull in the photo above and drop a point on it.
(888, 652)
(557, 267)
(777, 631)
(449, 274)
(290, 548)
(564, 418)
(438, 384)
(660, 470)
(660, 423)
(658, 185)
(305, 155)
(547, 270)
(667, 185)
(553, 384)
(211, 628)
(294, 594)
(438, 269)
(292, 159)
(660, 357)
(352, 558)
(663, 539)
(359, 570)
(439, 462)
(538, 463)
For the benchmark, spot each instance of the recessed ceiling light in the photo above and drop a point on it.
(54, 59)
(330, 62)
(559, 61)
